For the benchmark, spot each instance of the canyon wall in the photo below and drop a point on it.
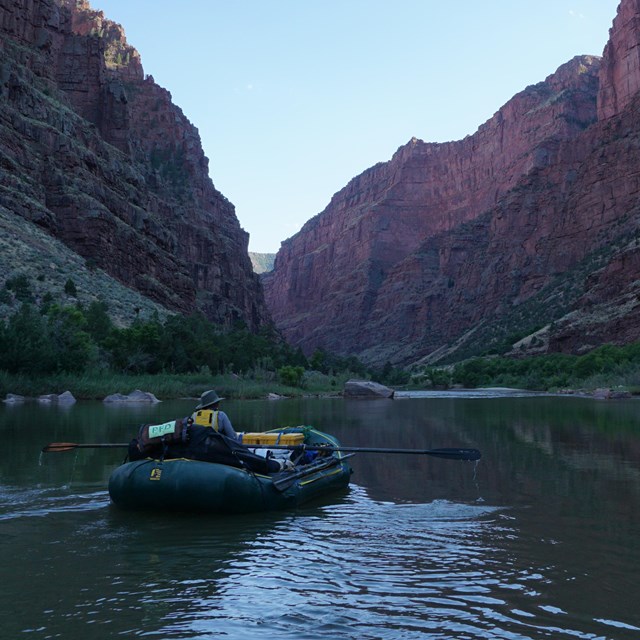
(510, 239)
(96, 153)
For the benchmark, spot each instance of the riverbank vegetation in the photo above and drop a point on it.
(166, 385)
(606, 366)
(53, 348)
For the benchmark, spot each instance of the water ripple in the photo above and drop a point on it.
(379, 570)
(38, 502)
(359, 569)
(356, 569)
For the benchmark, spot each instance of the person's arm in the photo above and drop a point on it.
(225, 427)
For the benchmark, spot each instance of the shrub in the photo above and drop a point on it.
(21, 288)
(291, 376)
(70, 288)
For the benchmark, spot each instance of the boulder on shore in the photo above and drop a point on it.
(611, 394)
(47, 398)
(65, 398)
(366, 389)
(13, 398)
(134, 396)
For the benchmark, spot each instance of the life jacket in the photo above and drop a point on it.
(207, 418)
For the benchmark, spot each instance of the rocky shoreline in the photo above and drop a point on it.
(354, 389)
(67, 398)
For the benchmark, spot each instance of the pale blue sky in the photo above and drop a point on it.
(293, 98)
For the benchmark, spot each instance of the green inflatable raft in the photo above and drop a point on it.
(182, 484)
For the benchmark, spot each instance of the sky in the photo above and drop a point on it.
(294, 98)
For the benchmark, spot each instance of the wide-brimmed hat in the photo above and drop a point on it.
(208, 398)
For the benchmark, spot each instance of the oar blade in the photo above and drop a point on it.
(57, 447)
(456, 454)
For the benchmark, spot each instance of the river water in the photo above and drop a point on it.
(539, 539)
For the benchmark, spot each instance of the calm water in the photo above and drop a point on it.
(540, 539)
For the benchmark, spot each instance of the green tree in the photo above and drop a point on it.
(24, 343)
(70, 288)
(46, 303)
(71, 346)
(318, 361)
(188, 344)
(472, 373)
(136, 349)
(99, 324)
(21, 288)
(438, 377)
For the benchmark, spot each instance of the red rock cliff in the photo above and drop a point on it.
(340, 259)
(97, 154)
(620, 75)
(452, 248)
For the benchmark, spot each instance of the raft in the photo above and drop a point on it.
(181, 484)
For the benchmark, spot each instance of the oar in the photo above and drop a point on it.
(56, 447)
(285, 479)
(451, 454)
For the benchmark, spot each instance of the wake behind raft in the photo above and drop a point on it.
(184, 467)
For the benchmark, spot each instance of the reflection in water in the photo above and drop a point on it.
(349, 572)
(375, 570)
(358, 568)
(537, 540)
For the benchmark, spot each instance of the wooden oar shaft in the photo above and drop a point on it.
(454, 454)
(103, 445)
(457, 454)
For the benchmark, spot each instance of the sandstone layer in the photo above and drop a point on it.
(527, 227)
(96, 153)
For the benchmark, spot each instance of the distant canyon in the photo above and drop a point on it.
(521, 239)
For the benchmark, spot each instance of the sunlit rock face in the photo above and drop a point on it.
(453, 249)
(98, 155)
(620, 72)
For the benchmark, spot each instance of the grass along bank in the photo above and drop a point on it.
(167, 386)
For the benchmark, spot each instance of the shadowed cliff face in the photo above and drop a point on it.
(453, 249)
(98, 155)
